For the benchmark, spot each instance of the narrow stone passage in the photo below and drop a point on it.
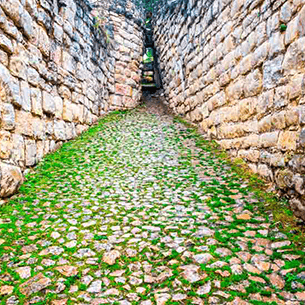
(133, 212)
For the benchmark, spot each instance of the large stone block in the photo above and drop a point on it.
(11, 179)
(60, 130)
(294, 58)
(36, 99)
(272, 72)
(18, 153)
(288, 140)
(253, 83)
(269, 139)
(5, 144)
(30, 152)
(7, 116)
(48, 104)
(123, 90)
(247, 108)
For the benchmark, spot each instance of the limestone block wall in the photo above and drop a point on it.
(237, 69)
(57, 76)
(128, 39)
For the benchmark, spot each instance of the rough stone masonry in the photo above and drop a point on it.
(63, 64)
(236, 68)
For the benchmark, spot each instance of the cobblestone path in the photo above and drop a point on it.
(133, 212)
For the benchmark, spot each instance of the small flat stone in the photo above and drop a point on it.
(203, 258)
(95, 287)
(24, 272)
(67, 270)
(276, 280)
(243, 216)
(35, 284)
(6, 290)
(280, 244)
(110, 257)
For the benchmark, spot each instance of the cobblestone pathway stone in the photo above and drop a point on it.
(133, 212)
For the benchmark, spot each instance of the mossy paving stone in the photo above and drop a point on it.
(134, 212)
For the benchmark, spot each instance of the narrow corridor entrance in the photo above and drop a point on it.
(134, 212)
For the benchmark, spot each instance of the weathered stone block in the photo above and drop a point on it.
(269, 139)
(272, 72)
(5, 144)
(7, 116)
(278, 120)
(253, 83)
(287, 140)
(26, 96)
(67, 111)
(294, 57)
(247, 108)
(48, 104)
(11, 179)
(123, 90)
(30, 152)
(265, 124)
(59, 130)
(36, 99)
(6, 44)
(18, 153)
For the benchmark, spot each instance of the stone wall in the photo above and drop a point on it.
(236, 68)
(59, 72)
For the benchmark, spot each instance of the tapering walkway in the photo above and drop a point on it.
(134, 213)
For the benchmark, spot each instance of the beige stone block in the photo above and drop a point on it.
(247, 108)
(36, 101)
(5, 144)
(278, 120)
(294, 58)
(246, 64)
(292, 31)
(287, 140)
(59, 130)
(48, 104)
(269, 139)
(67, 113)
(38, 126)
(301, 20)
(18, 153)
(253, 83)
(235, 90)
(251, 141)
(216, 101)
(281, 97)
(11, 179)
(236, 7)
(276, 43)
(260, 54)
(18, 66)
(68, 63)
(7, 116)
(58, 107)
(265, 124)
(30, 152)
(296, 86)
(23, 123)
(44, 44)
(292, 117)
(265, 171)
(249, 155)
(265, 103)
(25, 96)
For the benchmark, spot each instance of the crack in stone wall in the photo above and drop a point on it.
(59, 73)
(234, 69)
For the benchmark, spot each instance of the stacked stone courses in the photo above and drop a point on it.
(58, 74)
(236, 69)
